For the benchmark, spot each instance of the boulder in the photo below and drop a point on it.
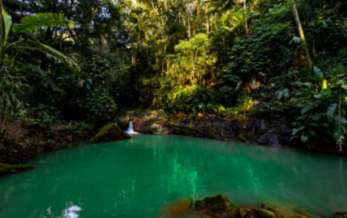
(264, 139)
(123, 121)
(109, 132)
(265, 213)
(149, 121)
(218, 206)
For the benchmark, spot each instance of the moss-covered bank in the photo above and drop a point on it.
(6, 169)
(22, 143)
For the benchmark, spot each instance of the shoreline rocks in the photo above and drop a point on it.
(248, 130)
(219, 206)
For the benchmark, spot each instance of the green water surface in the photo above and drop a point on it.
(138, 177)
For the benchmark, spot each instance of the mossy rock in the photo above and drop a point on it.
(9, 169)
(218, 205)
(264, 213)
(340, 214)
(109, 132)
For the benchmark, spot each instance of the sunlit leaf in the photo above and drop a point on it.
(7, 19)
(32, 22)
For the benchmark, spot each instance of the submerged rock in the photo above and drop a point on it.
(9, 168)
(177, 209)
(217, 206)
(109, 132)
(265, 213)
(340, 214)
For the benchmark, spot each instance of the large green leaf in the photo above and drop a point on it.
(31, 22)
(318, 72)
(331, 110)
(7, 25)
(51, 51)
(308, 107)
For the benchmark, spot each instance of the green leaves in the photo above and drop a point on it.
(7, 25)
(308, 107)
(318, 72)
(331, 111)
(317, 95)
(51, 51)
(101, 105)
(282, 93)
(32, 22)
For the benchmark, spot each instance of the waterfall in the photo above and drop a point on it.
(130, 129)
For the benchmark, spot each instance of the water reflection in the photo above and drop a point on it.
(141, 176)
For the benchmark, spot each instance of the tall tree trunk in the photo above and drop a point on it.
(246, 22)
(189, 31)
(302, 34)
(207, 21)
(1, 35)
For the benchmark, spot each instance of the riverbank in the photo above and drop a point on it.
(23, 142)
(220, 206)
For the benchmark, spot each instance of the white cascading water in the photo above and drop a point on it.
(130, 129)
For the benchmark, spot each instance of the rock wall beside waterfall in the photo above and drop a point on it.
(248, 130)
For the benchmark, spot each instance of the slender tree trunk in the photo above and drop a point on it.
(246, 22)
(189, 31)
(1, 35)
(302, 34)
(207, 21)
(100, 44)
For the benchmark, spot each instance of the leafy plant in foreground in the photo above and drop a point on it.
(325, 115)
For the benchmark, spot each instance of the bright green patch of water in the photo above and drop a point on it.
(138, 177)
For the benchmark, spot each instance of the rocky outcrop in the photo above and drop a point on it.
(148, 121)
(109, 132)
(248, 130)
(219, 206)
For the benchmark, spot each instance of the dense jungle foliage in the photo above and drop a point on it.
(64, 60)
